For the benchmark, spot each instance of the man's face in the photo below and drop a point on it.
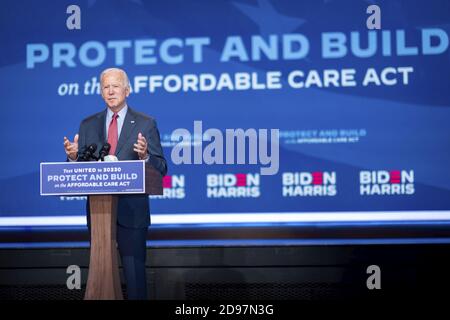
(114, 90)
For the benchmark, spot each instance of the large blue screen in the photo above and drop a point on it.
(362, 113)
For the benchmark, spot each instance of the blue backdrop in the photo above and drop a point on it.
(363, 114)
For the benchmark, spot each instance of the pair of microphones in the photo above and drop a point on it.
(89, 153)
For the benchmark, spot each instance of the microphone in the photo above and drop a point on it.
(104, 151)
(88, 154)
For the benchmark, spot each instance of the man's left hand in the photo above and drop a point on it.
(141, 147)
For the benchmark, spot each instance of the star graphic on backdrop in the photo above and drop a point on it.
(268, 19)
(92, 2)
(367, 1)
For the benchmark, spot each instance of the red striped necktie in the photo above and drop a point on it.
(113, 134)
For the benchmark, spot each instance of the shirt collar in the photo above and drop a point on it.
(122, 113)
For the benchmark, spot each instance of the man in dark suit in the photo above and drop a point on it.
(132, 136)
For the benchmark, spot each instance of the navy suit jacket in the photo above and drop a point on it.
(133, 211)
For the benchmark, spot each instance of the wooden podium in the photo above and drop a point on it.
(103, 280)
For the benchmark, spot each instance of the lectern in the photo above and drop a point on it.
(103, 279)
(103, 182)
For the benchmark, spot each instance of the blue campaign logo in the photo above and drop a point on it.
(83, 178)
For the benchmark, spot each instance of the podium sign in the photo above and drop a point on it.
(85, 178)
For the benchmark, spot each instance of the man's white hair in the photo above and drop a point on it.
(125, 76)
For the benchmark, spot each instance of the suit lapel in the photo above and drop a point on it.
(127, 129)
(102, 127)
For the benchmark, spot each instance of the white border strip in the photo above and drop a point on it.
(263, 217)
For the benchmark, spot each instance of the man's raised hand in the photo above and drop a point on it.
(141, 147)
(71, 148)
